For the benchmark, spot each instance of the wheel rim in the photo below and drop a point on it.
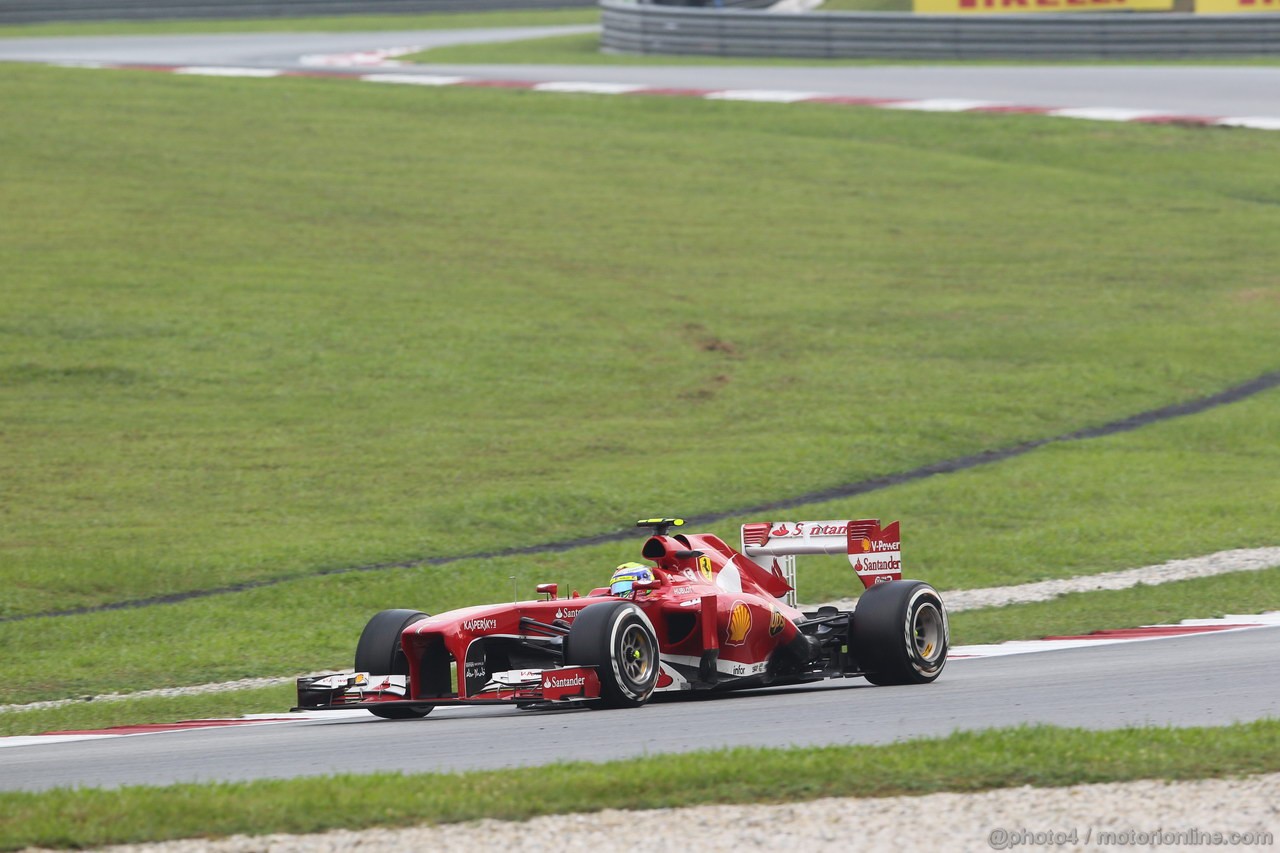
(637, 654)
(927, 631)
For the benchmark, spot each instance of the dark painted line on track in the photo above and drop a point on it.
(1234, 394)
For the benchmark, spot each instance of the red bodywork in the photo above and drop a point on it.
(715, 600)
(719, 618)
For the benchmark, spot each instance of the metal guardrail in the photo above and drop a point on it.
(38, 11)
(642, 28)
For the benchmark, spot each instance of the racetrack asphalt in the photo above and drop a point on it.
(1209, 90)
(1208, 679)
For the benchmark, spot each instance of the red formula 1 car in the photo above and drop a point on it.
(703, 616)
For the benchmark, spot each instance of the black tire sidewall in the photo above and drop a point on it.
(595, 640)
(379, 653)
(883, 637)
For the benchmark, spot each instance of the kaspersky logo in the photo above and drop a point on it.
(480, 624)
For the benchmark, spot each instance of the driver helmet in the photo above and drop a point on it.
(625, 576)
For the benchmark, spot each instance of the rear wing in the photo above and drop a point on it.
(875, 552)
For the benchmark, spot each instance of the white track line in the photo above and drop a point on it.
(1220, 625)
(771, 96)
(242, 722)
(1105, 113)
(590, 88)
(1254, 123)
(943, 105)
(223, 71)
(382, 59)
(192, 690)
(414, 79)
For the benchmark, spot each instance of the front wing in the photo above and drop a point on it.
(566, 685)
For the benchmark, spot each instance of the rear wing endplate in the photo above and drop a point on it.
(875, 552)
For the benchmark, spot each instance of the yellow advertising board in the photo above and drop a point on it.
(1228, 7)
(1017, 7)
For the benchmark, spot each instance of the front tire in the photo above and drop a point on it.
(618, 640)
(900, 633)
(379, 652)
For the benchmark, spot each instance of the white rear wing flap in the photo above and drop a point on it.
(874, 552)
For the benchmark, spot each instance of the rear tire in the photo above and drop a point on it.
(379, 653)
(618, 640)
(900, 633)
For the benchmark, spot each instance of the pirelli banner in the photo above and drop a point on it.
(1014, 7)
(1228, 7)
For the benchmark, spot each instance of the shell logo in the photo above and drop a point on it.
(739, 624)
(866, 544)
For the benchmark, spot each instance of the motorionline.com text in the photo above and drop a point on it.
(1003, 838)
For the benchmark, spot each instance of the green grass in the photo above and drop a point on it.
(967, 761)
(217, 368)
(338, 24)
(241, 341)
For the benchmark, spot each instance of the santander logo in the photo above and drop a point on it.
(828, 529)
(806, 529)
(571, 681)
(480, 624)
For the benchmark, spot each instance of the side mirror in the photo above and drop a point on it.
(548, 589)
(647, 585)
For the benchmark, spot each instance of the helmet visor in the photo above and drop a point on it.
(623, 580)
